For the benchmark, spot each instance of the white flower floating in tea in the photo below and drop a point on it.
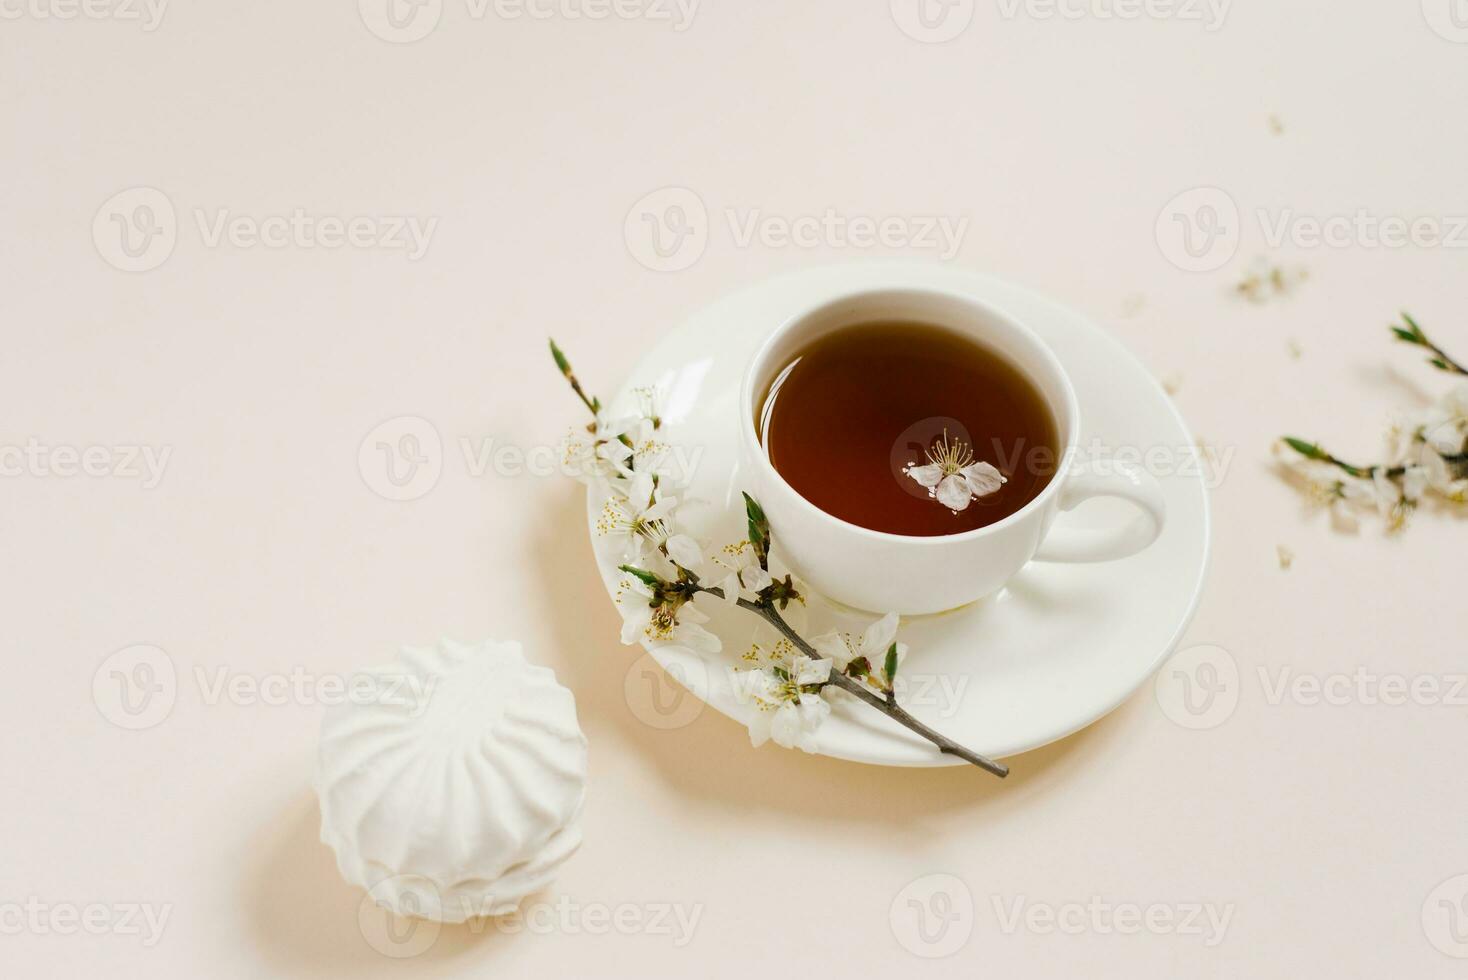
(952, 476)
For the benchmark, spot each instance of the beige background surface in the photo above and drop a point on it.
(263, 550)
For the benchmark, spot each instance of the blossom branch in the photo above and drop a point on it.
(593, 405)
(1429, 453)
(1314, 451)
(887, 705)
(1413, 334)
(1311, 450)
(658, 609)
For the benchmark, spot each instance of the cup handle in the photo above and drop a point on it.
(1107, 478)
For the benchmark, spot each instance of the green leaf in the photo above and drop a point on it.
(890, 667)
(1404, 335)
(1439, 363)
(1307, 449)
(754, 511)
(647, 578)
(759, 530)
(561, 361)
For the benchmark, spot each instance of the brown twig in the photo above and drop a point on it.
(888, 706)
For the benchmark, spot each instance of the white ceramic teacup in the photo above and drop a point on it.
(882, 572)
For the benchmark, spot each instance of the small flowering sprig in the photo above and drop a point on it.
(1411, 333)
(1429, 453)
(789, 686)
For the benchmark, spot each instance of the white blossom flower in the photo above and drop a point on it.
(595, 454)
(668, 623)
(843, 648)
(1444, 427)
(645, 517)
(953, 477)
(785, 709)
(637, 448)
(1329, 488)
(1396, 501)
(746, 578)
(1348, 497)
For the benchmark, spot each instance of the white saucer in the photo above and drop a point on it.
(1057, 649)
